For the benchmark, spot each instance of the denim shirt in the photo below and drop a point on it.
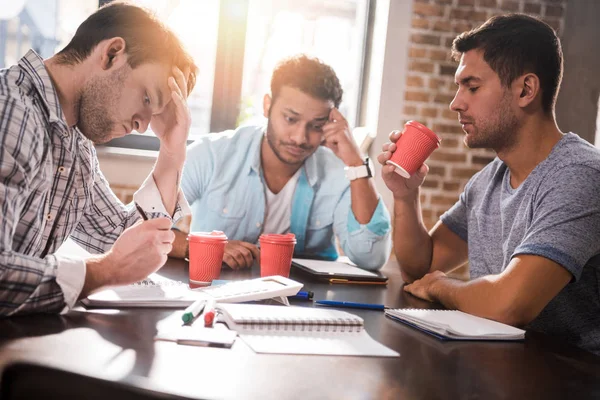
(223, 182)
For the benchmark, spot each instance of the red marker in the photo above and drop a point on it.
(209, 313)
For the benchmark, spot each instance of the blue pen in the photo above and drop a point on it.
(349, 304)
(302, 296)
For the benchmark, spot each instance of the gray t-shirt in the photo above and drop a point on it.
(554, 213)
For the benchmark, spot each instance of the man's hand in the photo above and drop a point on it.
(139, 251)
(422, 288)
(172, 126)
(240, 254)
(337, 137)
(400, 186)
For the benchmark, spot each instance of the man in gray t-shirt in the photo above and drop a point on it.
(529, 222)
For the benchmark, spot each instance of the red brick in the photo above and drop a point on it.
(417, 52)
(437, 171)
(443, 98)
(449, 114)
(488, 3)
(420, 66)
(439, 55)
(428, 10)
(440, 155)
(509, 5)
(429, 112)
(466, 2)
(410, 110)
(420, 23)
(462, 26)
(450, 143)
(448, 70)
(442, 26)
(431, 184)
(424, 197)
(425, 39)
(448, 128)
(416, 96)
(448, 42)
(468, 15)
(532, 8)
(443, 2)
(464, 172)
(436, 83)
(554, 11)
(451, 186)
(414, 81)
(444, 200)
(481, 160)
(428, 213)
(554, 23)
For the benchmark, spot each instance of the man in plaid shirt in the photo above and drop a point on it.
(122, 71)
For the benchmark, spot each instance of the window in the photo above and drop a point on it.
(235, 43)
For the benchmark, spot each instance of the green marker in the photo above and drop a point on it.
(193, 310)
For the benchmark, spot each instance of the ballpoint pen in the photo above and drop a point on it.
(302, 296)
(193, 310)
(352, 282)
(349, 304)
(142, 213)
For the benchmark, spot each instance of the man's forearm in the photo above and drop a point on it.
(364, 199)
(412, 243)
(167, 176)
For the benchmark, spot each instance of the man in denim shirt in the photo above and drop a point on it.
(303, 174)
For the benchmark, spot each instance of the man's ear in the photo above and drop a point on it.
(112, 53)
(266, 105)
(528, 88)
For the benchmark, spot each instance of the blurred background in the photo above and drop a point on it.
(392, 57)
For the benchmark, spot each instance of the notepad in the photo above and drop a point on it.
(455, 325)
(161, 292)
(301, 330)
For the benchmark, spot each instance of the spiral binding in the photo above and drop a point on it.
(150, 282)
(303, 324)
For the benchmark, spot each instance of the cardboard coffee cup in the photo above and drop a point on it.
(206, 256)
(276, 252)
(415, 145)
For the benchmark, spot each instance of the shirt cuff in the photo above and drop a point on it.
(149, 199)
(379, 223)
(70, 276)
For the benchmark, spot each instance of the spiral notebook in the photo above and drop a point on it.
(301, 330)
(455, 325)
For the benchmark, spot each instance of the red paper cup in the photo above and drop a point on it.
(206, 256)
(415, 145)
(276, 252)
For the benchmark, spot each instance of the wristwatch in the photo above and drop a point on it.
(362, 171)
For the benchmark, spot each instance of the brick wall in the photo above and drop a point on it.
(430, 87)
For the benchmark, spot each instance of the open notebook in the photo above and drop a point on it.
(301, 330)
(162, 292)
(455, 325)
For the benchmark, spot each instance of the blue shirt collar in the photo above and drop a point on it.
(310, 164)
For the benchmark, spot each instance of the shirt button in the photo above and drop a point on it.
(225, 211)
(258, 224)
(61, 169)
(318, 223)
(49, 217)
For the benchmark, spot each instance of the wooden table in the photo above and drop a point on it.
(119, 345)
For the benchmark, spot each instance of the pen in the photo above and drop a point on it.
(142, 213)
(302, 296)
(350, 304)
(337, 280)
(193, 310)
(209, 313)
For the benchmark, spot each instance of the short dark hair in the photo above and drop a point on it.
(309, 75)
(146, 38)
(515, 44)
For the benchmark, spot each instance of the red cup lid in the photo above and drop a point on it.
(278, 238)
(214, 236)
(425, 130)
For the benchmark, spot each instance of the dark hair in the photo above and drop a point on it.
(146, 38)
(309, 75)
(516, 44)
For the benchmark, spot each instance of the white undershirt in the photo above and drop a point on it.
(278, 207)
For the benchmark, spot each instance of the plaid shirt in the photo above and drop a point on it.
(51, 188)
